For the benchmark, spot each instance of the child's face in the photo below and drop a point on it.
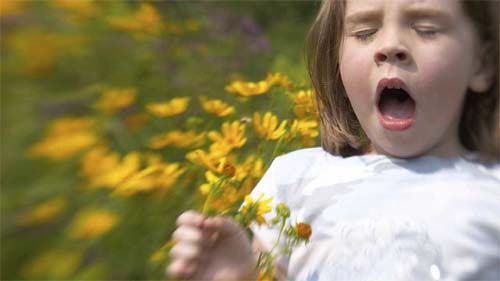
(431, 47)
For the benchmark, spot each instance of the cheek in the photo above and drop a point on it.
(444, 71)
(355, 70)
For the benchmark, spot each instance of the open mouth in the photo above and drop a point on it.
(395, 105)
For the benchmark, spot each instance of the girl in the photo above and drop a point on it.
(408, 98)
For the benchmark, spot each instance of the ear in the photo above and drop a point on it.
(484, 69)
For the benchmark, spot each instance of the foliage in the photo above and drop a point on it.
(145, 109)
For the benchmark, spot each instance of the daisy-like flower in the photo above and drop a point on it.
(91, 224)
(305, 130)
(248, 89)
(116, 99)
(267, 127)
(279, 79)
(255, 211)
(173, 107)
(146, 21)
(216, 107)
(65, 137)
(305, 104)
(232, 136)
(157, 177)
(177, 139)
(44, 212)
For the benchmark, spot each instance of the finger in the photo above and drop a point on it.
(190, 218)
(193, 235)
(181, 269)
(186, 251)
(221, 226)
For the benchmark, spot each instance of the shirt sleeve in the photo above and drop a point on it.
(268, 235)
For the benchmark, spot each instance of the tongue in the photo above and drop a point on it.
(391, 107)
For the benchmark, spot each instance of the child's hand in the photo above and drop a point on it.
(210, 248)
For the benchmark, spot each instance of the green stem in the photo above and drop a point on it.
(282, 227)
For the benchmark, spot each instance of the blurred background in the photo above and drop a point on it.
(115, 115)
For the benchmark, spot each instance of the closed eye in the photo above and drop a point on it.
(364, 35)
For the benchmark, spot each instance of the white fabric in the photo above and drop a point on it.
(375, 217)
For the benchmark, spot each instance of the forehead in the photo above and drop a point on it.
(452, 7)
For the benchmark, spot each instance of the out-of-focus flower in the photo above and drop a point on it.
(216, 107)
(173, 107)
(248, 89)
(233, 136)
(255, 211)
(105, 169)
(305, 130)
(305, 104)
(113, 100)
(177, 139)
(12, 7)
(279, 79)
(80, 10)
(221, 194)
(145, 22)
(38, 51)
(158, 177)
(267, 127)
(65, 137)
(44, 212)
(93, 223)
(135, 121)
(56, 264)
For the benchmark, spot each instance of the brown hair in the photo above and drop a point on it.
(341, 132)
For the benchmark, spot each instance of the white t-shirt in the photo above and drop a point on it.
(375, 217)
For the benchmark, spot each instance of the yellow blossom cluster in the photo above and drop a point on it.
(65, 137)
(172, 107)
(43, 212)
(92, 223)
(216, 107)
(177, 139)
(115, 99)
(145, 22)
(267, 127)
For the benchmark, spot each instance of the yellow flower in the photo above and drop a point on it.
(208, 160)
(145, 22)
(255, 210)
(80, 10)
(305, 130)
(216, 107)
(173, 107)
(177, 139)
(116, 99)
(279, 79)
(248, 89)
(105, 169)
(64, 138)
(160, 254)
(11, 7)
(43, 212)
(233, 136)
(305, 104)
(91, 224)
(56, 264)
(157, 177)
(267, 127)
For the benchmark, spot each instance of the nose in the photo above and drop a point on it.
(392, 51)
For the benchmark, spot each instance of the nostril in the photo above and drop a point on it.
(401, 56)
(380, 57)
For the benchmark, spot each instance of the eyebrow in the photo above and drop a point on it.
(374, 15)
(427, 13)
(363, 16)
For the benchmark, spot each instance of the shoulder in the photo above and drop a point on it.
(302, 162)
